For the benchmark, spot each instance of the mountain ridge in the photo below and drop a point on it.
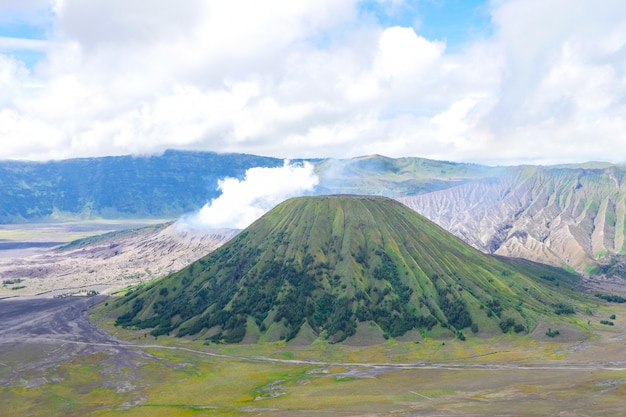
(566, 215)
(157, 186)
(571, 217)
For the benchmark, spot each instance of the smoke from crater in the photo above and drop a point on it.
(244, 201)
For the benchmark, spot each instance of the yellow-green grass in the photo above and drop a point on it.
(182, 383)
(70, 389)
(181, 378)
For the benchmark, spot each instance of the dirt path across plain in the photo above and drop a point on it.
(57, 330)
(39, 333)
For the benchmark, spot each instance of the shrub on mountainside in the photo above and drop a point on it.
(563, 308)
(611, 298)
(454, 309)
(552, 333)
(505, 325)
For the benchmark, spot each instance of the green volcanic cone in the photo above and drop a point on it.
(320, 265)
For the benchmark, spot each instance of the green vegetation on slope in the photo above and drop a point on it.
(395, 177)
(326, 263)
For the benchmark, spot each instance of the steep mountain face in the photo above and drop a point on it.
(326, 266)
(118, 187)
(570, 216)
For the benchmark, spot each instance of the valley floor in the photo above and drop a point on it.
(54, 361)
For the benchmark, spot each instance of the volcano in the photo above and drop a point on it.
(323, 267)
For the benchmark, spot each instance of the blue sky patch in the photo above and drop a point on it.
(36, 26)
(457, 22)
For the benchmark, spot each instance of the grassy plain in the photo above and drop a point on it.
(505, 375)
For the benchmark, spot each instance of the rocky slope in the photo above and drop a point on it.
(108, 262)
(565, 216)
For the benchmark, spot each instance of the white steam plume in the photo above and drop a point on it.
(242, 202)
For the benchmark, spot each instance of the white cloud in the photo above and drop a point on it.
(403, 54)
(564, 78)
(14, 127)
(10, 44)
(315, 78)
(243, 202)
(13, 74)
(102, 24)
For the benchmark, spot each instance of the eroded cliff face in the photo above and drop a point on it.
(559, 216)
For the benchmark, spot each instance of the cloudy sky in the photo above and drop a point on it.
(493, 82)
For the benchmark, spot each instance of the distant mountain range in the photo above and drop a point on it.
(569, 215)
(177, 182)
(164, 186)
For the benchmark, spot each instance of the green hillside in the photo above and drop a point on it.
(320, 265)
(395, 177)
